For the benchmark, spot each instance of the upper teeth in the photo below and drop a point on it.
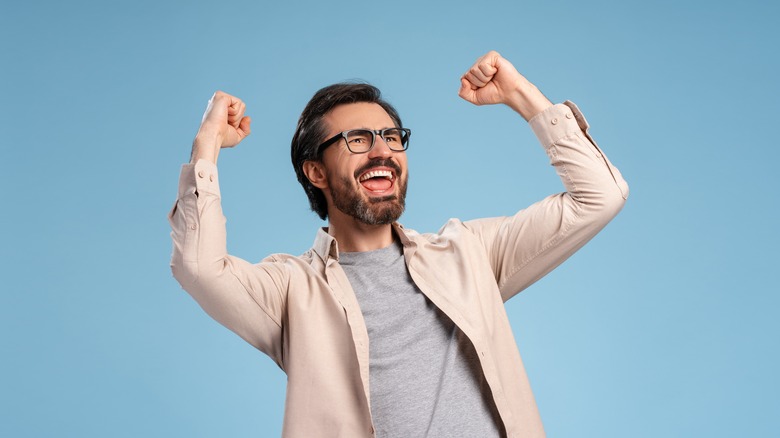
(375, 174)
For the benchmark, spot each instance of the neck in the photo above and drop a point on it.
(355, 236)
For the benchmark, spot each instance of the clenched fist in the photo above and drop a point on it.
(493, 79)
(224, 125)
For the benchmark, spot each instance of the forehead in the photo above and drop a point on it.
(358, 115)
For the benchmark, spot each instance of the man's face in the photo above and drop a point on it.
(369, 187)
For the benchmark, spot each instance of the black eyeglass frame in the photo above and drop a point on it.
(374, 132)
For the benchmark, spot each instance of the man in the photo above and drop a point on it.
(382, 330)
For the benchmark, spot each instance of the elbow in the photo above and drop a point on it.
(616, 199)
(609, 204)
(188, 265)
(185, 273)
(614, 205)
(597, 207)
(195, 275)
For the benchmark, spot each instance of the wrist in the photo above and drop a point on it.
(527, 100)
(206, 146)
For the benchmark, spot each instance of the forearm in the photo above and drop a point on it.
(587, 175)
(245, 298)
(524, 247)
(197, 224)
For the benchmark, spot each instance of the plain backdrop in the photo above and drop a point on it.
(666, 324)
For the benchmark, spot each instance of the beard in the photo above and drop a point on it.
(371, 211)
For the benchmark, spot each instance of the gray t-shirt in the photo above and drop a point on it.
(425, 377)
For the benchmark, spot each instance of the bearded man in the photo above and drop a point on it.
(383, 331)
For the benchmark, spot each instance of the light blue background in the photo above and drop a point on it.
(664, 325)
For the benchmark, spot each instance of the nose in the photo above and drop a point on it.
(380, 149)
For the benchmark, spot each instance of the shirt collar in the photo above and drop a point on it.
(325, 245)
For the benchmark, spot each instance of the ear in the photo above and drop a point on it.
(315, 172)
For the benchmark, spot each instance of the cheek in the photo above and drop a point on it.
(402, 161)
(340, 179)
(337, 171)
(343, 163)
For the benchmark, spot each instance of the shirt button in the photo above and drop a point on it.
(568, 115)
(211, 178)
(201, 174)
(554, 121)
(193, 226)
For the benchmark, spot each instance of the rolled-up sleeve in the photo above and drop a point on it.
(246, 298)
(524, 247)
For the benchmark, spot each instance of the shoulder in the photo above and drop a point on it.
(454, 230)
(291, 261)
(471, 235)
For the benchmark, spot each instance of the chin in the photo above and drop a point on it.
(370, 210)
(384, 215)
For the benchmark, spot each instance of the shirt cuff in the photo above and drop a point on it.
(201, 177)
(557, 122)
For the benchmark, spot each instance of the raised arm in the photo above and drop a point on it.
(246, 298)
(524, 247)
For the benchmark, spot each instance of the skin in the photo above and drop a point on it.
(490, 80)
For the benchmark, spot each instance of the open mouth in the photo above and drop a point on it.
(378, 181)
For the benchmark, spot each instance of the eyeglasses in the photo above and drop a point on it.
(360, 141)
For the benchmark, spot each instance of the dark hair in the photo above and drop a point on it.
(311, 130)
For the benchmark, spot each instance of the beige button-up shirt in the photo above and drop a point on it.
(302, 311)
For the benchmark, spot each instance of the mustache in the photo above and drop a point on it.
(379, 162)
